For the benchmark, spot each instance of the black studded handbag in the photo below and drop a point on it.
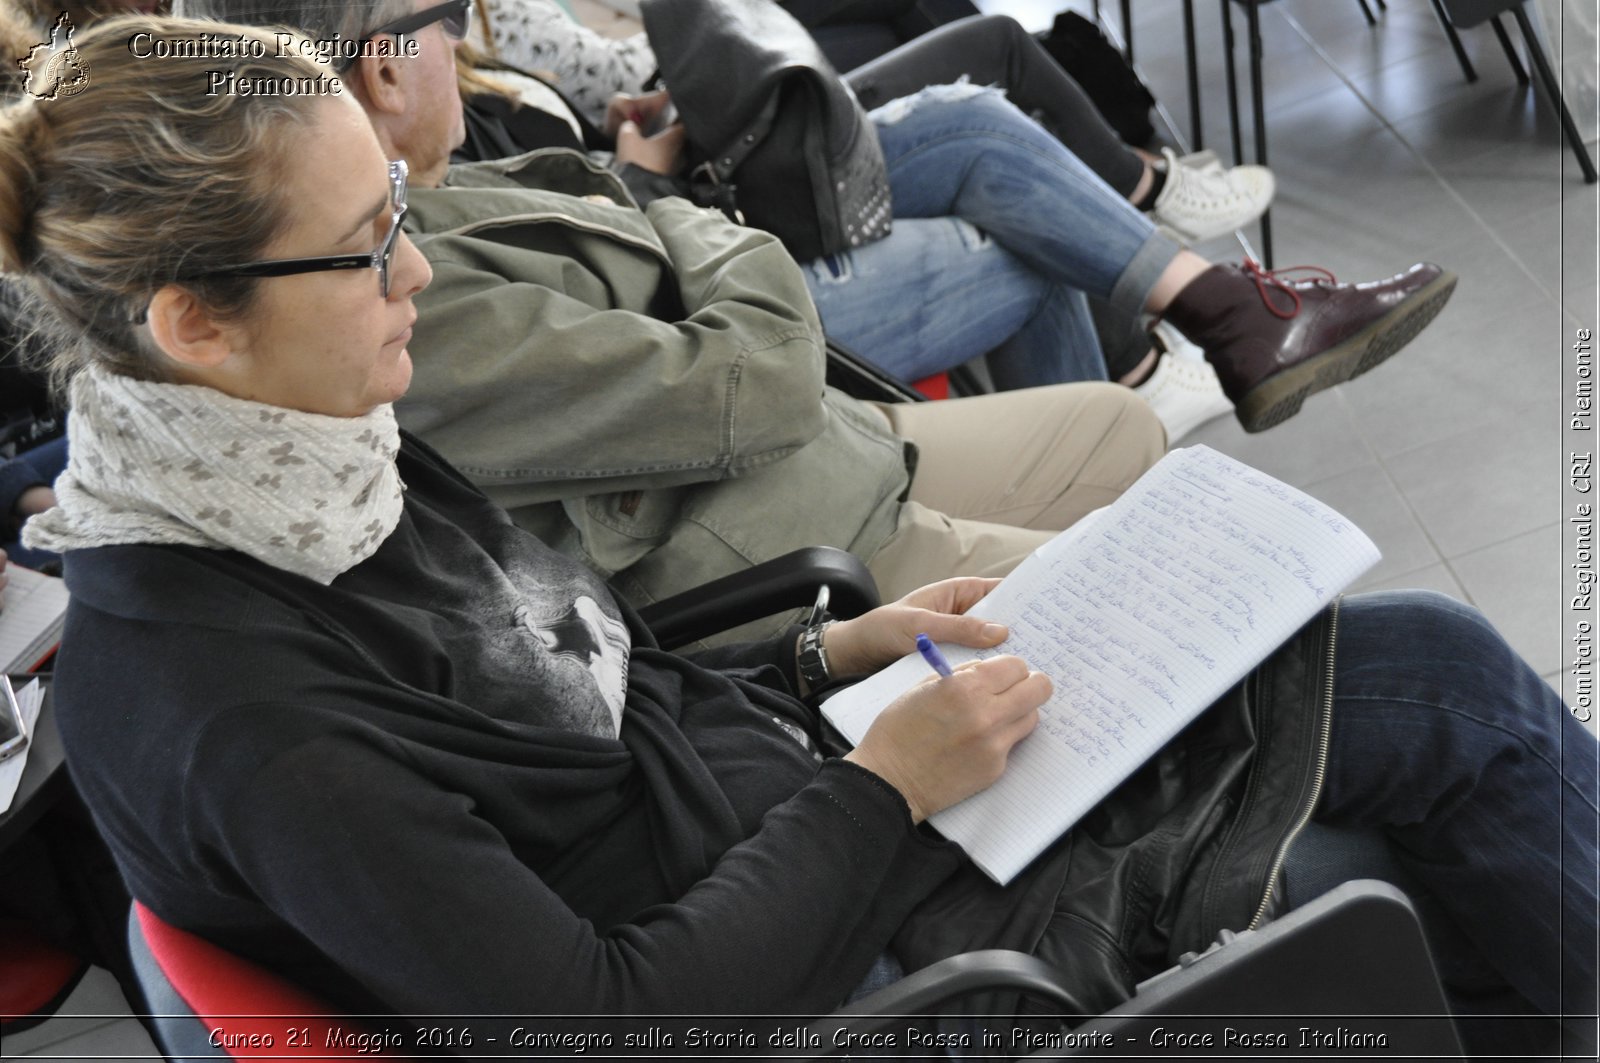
(776, 138)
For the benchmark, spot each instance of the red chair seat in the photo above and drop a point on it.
(936, 386)
(256, 1014)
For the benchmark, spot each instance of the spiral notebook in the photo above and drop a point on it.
(33, 607)
(1142, 614)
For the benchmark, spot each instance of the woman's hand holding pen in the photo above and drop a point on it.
(946, 738)
(886, 634)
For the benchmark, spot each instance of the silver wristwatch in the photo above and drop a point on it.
(812, 660)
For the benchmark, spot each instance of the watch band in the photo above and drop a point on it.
(812, 660)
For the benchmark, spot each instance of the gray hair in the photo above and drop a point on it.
(317, 19)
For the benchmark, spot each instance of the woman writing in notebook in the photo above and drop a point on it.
(382, 705)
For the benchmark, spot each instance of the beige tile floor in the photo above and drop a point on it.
(1451, 456)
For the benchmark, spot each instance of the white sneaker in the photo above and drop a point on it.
(1205, 159)
(1200, 202)
(1183, 390)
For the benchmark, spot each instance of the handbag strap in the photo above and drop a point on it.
(723, 164)
(711, 181)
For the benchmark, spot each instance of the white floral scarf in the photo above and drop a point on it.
(185, 464)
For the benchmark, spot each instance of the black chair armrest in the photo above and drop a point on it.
(787, 582)
(813, 13)
(956, 976)
(860, 379)
(931, 14)
(1358, 950)
(922, 992)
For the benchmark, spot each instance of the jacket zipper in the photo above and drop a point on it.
(1318, 775)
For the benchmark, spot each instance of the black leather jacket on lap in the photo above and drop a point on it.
(1191, 845)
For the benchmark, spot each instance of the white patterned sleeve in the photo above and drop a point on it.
(589, 68)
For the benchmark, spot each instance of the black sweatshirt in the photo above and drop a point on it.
(402, 791)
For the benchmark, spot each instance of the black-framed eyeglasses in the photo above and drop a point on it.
(378, 258)
(453, 15)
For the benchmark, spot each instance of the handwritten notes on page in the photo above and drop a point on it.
(1142, 614)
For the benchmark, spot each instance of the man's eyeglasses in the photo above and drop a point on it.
(377, 259)
(453, 16)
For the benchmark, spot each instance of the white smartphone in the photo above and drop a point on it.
(13, 733)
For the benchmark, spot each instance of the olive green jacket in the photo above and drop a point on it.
(641, 389)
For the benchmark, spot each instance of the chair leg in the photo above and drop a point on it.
(1127, 30)
(1195, 136)
(1455, 41)
(1510, 49)
(1233, 82)
(1258, 106)
(1367, 12)
(1552, 88)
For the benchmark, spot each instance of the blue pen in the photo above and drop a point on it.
(931, 654)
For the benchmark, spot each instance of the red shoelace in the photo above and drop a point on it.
(1267, 279)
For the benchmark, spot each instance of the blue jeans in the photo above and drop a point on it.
(1484, 786)
(935, 293)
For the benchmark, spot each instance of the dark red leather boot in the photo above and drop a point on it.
(1275, 341)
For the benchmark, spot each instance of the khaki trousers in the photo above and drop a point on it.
(998, 475)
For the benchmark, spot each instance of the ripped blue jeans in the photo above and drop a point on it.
(999, 231)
